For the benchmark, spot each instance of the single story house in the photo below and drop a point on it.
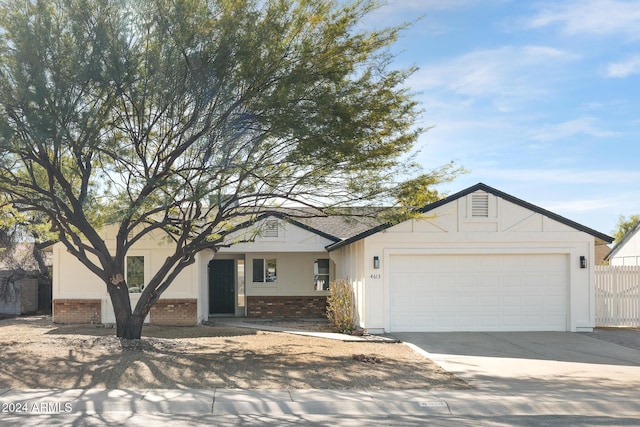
(478, 260)
(627, 250)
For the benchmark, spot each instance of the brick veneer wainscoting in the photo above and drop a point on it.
(299, 306)
(174, 312)
(76, 310)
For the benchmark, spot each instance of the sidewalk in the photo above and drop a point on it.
(353, 403)
(489, 404)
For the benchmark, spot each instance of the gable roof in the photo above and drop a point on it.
(298, 222)
(623, 241)
(478, 187)
(336, 227)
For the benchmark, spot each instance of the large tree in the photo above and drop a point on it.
(190, 117)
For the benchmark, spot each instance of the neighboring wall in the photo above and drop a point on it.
(601, 252)
(629, 252)
(18, 295)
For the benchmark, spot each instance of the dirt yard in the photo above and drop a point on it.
(34, 353)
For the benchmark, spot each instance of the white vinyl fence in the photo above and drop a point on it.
(617, 295)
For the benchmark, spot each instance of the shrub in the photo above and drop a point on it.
(340, 310)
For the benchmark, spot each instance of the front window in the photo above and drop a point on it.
(135, 273)
(321, 274)
(264, 270)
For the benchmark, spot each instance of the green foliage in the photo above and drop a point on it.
(340, 309)
(187, 118)
(624, 226)
(420, 191)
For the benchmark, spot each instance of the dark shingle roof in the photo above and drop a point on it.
(337, 226)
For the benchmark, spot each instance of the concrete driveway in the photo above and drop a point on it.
(547, 366)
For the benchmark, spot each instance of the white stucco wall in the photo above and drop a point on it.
(295, 249)
(450, 229)
(72, 280)
(349, 265)
(291, 238)
(295, 274)
(201, 277)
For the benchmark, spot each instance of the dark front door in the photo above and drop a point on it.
(222, 280)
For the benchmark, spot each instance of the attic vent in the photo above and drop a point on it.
(270, 229)
(480, 205)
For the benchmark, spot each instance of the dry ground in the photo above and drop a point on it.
(34, 353)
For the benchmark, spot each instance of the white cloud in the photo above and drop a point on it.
(581, 126)
(598, 17)
(624, 68)
(506, 74)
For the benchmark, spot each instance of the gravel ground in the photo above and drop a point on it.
(34, 353)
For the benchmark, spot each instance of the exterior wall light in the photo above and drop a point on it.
(376, 262)
(583, 262)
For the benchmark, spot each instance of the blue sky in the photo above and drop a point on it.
(539, 99)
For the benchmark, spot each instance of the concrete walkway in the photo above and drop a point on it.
(240, 323)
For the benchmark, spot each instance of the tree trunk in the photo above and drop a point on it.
(128, 324)
(132, 329)
(37, 255)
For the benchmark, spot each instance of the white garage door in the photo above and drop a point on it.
(478, 293)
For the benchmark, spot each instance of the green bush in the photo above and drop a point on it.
(340, 310)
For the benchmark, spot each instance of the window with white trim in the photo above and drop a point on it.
(134, 273)
(321, 274)
(264, 270)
